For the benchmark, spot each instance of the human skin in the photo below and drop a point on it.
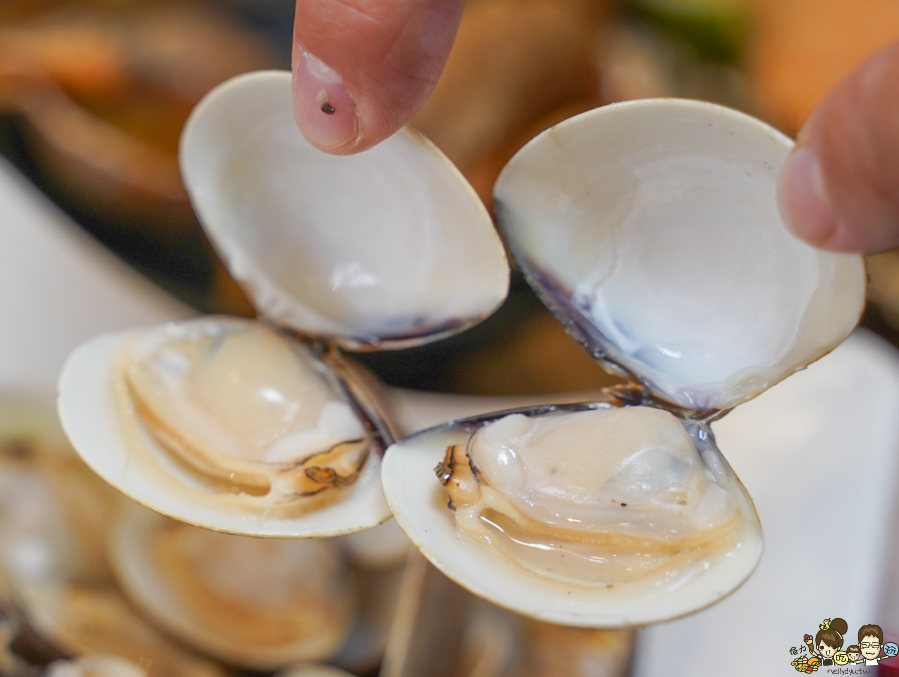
(383, 58)
(840, 187)
(362, 68)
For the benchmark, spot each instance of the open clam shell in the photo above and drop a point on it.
(651, 229)
(56, 594)
(644, 530)
(381, 249)
(258, 603)
(99, 415)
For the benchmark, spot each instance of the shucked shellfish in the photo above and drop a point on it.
(261, 427)
(246, 408)
(553, 491)
(651, 230)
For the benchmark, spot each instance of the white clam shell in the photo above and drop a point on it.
(131, 555)
(381, 248)
(386, 248)
(147, 473)
(419, 504)
(651, 229)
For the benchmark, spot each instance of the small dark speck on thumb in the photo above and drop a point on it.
(322, 100)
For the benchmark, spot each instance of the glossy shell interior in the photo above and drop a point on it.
(147, 472)
(384, 249)
(651, 229)
(420, 505)
(381, 249)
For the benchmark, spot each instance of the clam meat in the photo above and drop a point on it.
(229, 424)
(650, 229)
(263, 427)
(244, 407)
(600, 497)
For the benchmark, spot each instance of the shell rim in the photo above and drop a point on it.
(358, 342)
(599, 351)
(483, 590)
(73, 384)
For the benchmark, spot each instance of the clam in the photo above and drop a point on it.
(262, 427)
(57, 597)
(650, 229)
(257, 603)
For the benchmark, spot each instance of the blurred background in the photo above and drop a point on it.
(93, 95)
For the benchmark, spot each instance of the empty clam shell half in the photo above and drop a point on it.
(384, 248)
(651, 229)
(226, 424)
(587, 515)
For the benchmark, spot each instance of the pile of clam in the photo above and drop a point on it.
(650, 230)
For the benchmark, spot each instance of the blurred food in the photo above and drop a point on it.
(55, 585)
(106, 93)
(559, 651)
(72, 585)
(516, 68)
(640, 61)
(254, 602)
(883, 285)
(802, 48)
(95, 666)
(715, 29)
(104, 89)
(444, 631)
(537, 358)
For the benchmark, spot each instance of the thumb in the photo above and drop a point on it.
(362, 68)
(839, 190)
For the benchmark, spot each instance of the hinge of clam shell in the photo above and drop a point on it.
(262, 427)
(650, 229)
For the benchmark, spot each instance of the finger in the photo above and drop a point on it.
(362, 68)
(839, 190)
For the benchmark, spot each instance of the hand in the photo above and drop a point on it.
(840, 188)
(362, 68)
